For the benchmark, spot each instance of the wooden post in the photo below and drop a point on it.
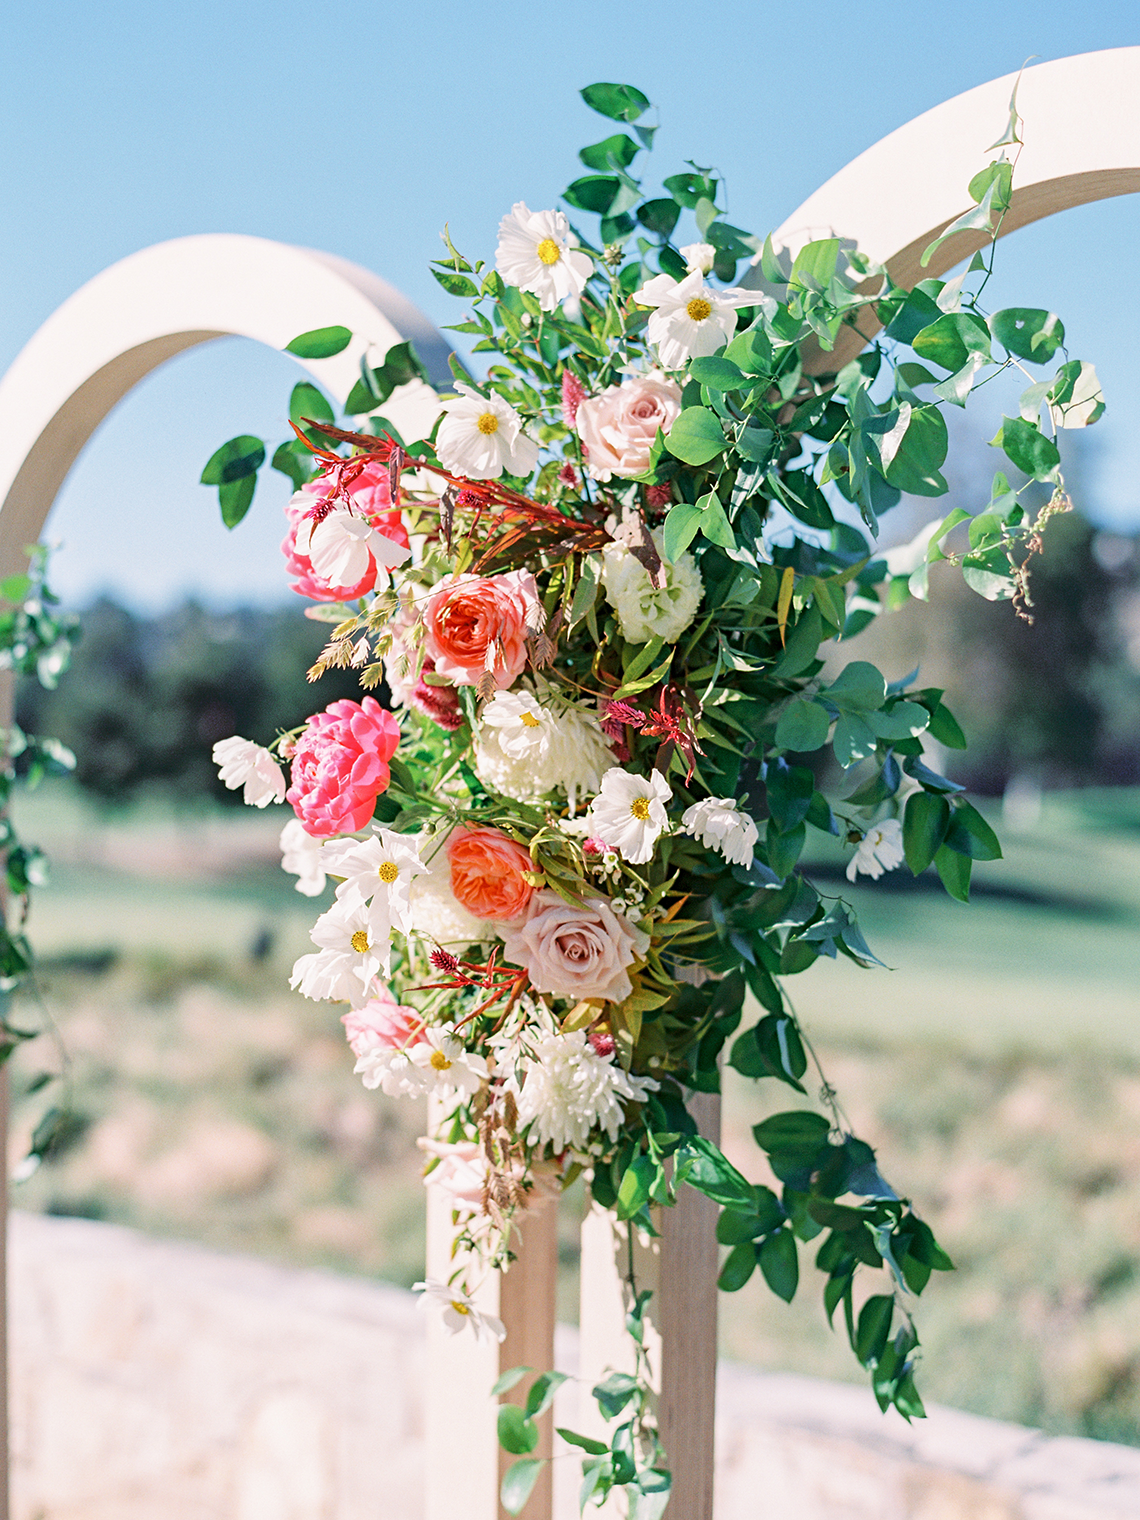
(7, 713)
(465, 1463)
(680, 1269)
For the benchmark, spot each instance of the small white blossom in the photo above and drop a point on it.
(692, 319)
(536, 254)
(526, 748)
(350, 955)
(444, 1062)
(699, 257)
(881, 850)
(391, 1070)
(459, 1310)
(242, 763)
(301, 857)
(481, 436)
(720, 825)
(629, 813)
(645, 611)
(568, 1090)
(340, 543)
(380, 871)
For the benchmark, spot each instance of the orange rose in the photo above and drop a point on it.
(487, 873)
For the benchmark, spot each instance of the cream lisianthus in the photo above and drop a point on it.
(692, 319)
(526, 748)
(628, 813)
(301, 857)
(378, 871)
(481, 436)
(645, 611)
(459, 1310)
(242, 763)
(350, 954)
(341, 546)
(881, 849)
(536, 254)
(699, 257)
(720, 825)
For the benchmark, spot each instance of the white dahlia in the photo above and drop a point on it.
(530, 744)
(536, 253)
(568, 1090)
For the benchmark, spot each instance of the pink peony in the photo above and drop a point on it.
(340, 766)
(476, 623)
(619, 426)
(381, 1024)
(487, 873)
(575, 953)
(369, 495)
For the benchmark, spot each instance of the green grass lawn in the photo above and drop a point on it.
(996, 1067)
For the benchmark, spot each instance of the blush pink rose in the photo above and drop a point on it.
(340, 766)
(487, 873)
(369, 495)
(381, 1024)
(619, 426)
(575, 953)
(464, 616)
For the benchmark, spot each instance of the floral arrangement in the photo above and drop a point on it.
(606, 602)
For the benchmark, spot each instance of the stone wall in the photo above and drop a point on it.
(159, 1381)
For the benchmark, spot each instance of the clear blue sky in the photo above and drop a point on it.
(362, 127)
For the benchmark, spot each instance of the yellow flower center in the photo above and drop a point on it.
(529, 720)
(459, 1308)
(548, 251)
(699, 308)
(439, 1061)
(360, 941)
(388, 871)
(639, 807)
(487, 424)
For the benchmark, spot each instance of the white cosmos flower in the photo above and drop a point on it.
(692, 319)
(720, 825)
(629, 813)
(339, 546)
(881, 850)
(242, 763)
(568, 1090)
(645, 611)
(530, 744)
(699, 257)
(481, 436)
(391, 1070)
(350, 955)
(301, 856)
(536, 253)
(443, 1062)
(459, 1310)
(378, 870)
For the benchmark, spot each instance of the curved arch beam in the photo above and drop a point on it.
(142, 311)
(1082, 144)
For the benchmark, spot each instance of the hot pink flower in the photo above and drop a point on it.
(619, 426)
(382, 1023)
(487, 873)
(369, 495)
(573, 394)
(341, 766)
(478, 623)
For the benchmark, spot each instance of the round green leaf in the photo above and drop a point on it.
(780, 1264)
(952, 339)
(681, 527)
(738, 1268)
(235, 498)
(1029, 449)
(620, 102)
(925, 822)
(659, 217)
(518, 1483)
(518, 1433)
(719, 374)
(239, 457)
(320, 343)
(593, 192)
(859, 687)
(307, 401)
(803, 726)
(1028, 332)
(696, 436)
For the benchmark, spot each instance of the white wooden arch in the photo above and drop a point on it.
(1082, 144)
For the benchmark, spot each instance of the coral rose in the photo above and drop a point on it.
(464, 617)
(575, 953)
(619, 426)
(340, 766)
(369, 495)
(381, 1023)
(487, 873)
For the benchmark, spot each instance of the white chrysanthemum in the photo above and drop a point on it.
(527, 747)
(536, 253)
(699, 257)
(481, 436)
(339, 545)
(459, 1310)
(881, 850)
(242, 763)
(692, 319)
(437, 915)
(643, 610)
(444, 1063)
(720, 825)
(301, 857)
(380, 871)
(629, 814)
(568, 1090)
(350, 955)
